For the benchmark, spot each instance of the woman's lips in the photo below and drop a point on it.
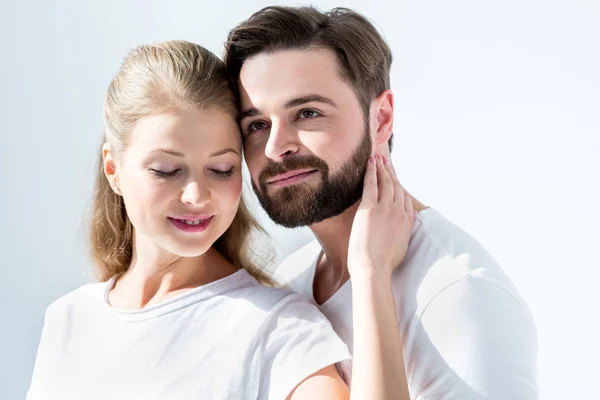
(194, 224)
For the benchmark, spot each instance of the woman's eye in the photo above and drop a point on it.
(164, 174)
(221, 173)
(307, 114)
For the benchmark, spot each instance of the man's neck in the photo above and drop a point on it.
(332, 267)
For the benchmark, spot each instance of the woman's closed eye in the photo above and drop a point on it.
(165, 174)
(223, 172)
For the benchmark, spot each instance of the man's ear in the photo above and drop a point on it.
(109, 166)
(382, 108)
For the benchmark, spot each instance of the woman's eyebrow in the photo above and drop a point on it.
(224, 151)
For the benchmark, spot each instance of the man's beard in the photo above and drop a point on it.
(300, 204)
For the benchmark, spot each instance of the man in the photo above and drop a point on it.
(315, 104)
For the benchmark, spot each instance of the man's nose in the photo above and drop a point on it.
(282, 142)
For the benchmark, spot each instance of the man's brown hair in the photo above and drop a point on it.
(363, 55)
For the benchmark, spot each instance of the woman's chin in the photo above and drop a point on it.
(187, 248)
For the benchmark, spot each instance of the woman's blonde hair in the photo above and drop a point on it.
(154, 79)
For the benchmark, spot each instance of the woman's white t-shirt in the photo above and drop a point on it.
(230, 339)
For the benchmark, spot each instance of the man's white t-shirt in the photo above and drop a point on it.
(465, 330)
(230, 339)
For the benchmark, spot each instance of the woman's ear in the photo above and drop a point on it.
(109, 166)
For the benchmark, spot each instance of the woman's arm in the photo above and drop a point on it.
(378, 243)
(378, 363)
(324, 384)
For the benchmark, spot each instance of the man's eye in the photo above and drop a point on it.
(307, 114)
(164, 174)
(256, 126)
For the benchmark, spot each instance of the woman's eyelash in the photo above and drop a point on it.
(223, 173)
(170, 174)
(164, 174)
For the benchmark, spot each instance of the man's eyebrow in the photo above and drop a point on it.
(251, 112)
(308, 99)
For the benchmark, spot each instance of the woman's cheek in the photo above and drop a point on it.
(236, 188)
(232, 193)
(158, 193)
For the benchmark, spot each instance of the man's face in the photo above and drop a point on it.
(306, 141)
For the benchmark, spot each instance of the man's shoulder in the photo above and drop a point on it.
(451, 288)
(296, 271)
(441, 254)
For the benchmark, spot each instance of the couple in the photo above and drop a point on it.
(182, 312)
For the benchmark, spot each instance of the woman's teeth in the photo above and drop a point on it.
(188, 222)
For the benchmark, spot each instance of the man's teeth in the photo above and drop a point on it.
(188, 222)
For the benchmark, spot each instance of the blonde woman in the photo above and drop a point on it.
(180, 311)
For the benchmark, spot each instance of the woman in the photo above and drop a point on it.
(180, 312)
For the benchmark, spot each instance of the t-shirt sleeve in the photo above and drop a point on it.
(298, 342)
(43, 356)
(476, 341)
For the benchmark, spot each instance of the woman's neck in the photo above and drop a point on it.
(155, 275)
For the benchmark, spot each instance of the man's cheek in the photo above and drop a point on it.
(252, 158)
(254, 176)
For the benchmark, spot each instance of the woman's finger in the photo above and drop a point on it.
(384, 181)
(398, 189)
(369, 196)
(408, 204)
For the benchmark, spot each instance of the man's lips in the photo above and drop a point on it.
(290, 177)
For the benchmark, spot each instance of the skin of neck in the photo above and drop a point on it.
(156, 275)
(334, 234)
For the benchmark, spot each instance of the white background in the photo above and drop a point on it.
(497, 126)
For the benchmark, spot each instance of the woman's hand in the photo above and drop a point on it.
(378, 244)
(383, 223)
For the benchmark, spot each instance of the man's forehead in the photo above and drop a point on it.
(279, 76)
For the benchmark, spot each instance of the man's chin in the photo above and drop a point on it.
(289, 210)
(293, 193)
(296, 212)
(290, 219)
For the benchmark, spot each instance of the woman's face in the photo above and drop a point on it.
(180, 177)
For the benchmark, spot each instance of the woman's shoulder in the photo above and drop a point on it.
(81, 298)
(296, 339)
(274, 300)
